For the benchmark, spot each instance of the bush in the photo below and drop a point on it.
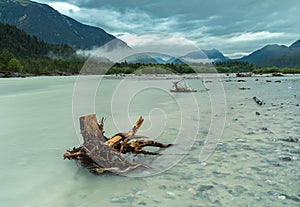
(15, 66)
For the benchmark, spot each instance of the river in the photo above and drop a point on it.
(232, 151)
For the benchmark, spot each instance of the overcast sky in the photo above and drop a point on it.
(235, 27)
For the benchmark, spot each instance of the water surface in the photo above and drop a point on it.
(252, 165)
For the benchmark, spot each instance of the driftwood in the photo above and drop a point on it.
(277, 74)
(244, 88)
(243, 74)
(258, 101)
(99, 153)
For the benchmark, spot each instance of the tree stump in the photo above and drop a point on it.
(100, 154)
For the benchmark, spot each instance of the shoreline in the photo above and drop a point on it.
(144, 76)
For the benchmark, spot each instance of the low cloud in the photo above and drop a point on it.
(132, 20)
(161, 43)
(64, 8)
(255, 36)
(234, 27)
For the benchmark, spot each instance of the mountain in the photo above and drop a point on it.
(275, 55)
(204, 56)
(289, 60)
(175, 60)
(169, 60)
(141, 58)
(295, 45)
(268, 51)
(212, 55)
(159, 60)
(49, 25)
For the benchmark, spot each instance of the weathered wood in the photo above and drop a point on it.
(99, 154)
(122, 136)
(94, 153)
(90, 129)
(136, 147)
(258, 101)
(101, 125)
(243, 74)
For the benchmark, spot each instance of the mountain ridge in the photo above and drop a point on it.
(49, 25)
(296, 44)
(213, 55)
(275, 55)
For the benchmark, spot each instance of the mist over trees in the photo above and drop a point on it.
(22, 53)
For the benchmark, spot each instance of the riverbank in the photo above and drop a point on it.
(147, 76)
(24, 75)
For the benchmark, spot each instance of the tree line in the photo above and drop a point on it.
(180, 68)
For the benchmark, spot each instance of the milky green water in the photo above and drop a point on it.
(251, 165)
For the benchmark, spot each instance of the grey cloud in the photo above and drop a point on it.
(212, 24)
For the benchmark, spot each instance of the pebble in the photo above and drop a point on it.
(121, 199)
(294, 198)
(277, 164)
(291, 139)
(258, 198)
(281, 197)
(286, 158)
(142, 203)
(170, 195)
(240, 189)
(140, 193)
(205, 187)
(293, 151)
(203, 163)
(192, 191)
(270, 182)
(162, 187)
(180, 186)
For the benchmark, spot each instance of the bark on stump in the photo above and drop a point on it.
(100, 154)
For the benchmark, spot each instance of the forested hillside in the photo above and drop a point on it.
(20, 52)
(23, 45)
(49, 25)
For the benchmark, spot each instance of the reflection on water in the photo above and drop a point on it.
(253, 165)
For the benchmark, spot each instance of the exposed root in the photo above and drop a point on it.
(99, 154)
